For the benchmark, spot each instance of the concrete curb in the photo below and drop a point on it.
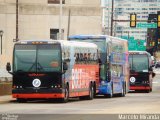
(5, 99)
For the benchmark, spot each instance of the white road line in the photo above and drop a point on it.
(154, 82)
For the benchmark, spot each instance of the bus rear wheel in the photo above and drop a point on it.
(122, 94)
(91, 92)
(66, 94)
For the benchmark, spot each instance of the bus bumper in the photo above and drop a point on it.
(37, 93)
(140, 88)
(104, 89)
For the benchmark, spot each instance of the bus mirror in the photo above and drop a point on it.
(65, 66)
(8, 67)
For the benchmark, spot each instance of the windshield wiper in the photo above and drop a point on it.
(32, 66)
(39, 67)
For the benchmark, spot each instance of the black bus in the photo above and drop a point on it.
(141, 73)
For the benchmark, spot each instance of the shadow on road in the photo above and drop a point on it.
(48, 101)
(138, 91)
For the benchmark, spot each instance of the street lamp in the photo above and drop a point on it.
(1, 34)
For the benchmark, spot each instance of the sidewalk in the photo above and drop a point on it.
(157, 70)
(5, 98)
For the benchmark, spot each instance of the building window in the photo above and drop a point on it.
(54, 34)
(55, 1)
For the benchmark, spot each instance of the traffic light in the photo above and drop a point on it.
(133, 18)
(158, 21)
(152, 44)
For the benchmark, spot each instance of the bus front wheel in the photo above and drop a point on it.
(21, 100)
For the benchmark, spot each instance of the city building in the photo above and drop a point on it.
(122, 11)
(42, 19)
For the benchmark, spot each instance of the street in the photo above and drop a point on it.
(135, 103)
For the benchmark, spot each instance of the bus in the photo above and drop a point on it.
(114, 67)
(141, 73)
(47, 69)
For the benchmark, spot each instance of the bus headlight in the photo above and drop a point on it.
(132, 79)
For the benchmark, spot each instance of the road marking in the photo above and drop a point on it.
(154, 82)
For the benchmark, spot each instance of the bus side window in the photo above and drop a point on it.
(77, 58)
(81, 57)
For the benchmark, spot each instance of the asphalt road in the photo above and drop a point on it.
(133, 103)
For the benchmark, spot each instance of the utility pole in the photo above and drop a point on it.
(128, 35)
(112, 17)
(108, 16)
(17, 38)
(69, 16)
(60, 20)
(1, 34)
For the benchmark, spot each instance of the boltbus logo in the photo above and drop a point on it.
(36, 83)
(132, 79)
(35, 75)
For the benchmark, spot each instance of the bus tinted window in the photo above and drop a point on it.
(25, 57)
(47, 58)
(139, 63)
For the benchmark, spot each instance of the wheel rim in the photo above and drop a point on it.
(122, 91)
(111, 94)
(66, 94)
(91, 92)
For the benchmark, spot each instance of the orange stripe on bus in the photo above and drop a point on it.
(139, 88)
(55, 95)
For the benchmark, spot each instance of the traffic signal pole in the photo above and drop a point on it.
(112, 18)
(17, 15)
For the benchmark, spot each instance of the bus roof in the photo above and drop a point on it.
(87, 37)
(62, 42)
(139, 52)
(32, 41)
(84, 37)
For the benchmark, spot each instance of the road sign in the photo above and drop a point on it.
(146, 25)
(133, 44)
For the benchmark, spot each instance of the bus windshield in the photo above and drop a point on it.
(37, 58)
(139, 62)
